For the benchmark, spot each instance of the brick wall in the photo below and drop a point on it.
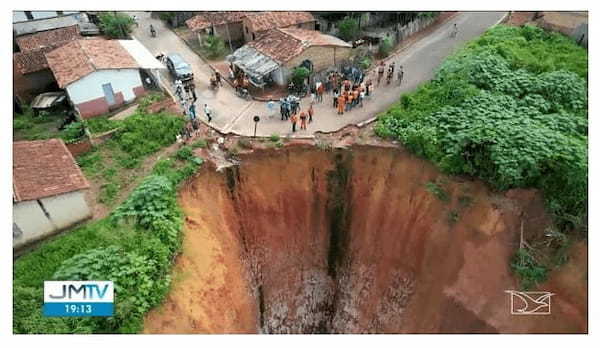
(80, 147)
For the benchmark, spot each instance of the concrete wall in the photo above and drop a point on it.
(38, 219)
(88, 96)
(322, 57)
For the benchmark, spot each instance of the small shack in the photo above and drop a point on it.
(277, 52)
(48, 190)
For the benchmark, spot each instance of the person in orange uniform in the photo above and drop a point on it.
(303, 118)
(341, 104)
(294, 120)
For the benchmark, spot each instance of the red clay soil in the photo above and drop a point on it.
(301, 240)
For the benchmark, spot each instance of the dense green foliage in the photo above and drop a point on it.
(299, 75)
(73, 132)
(143, 134)
(101, 124)
(28, 126)
(134, 247)
(348, 29)
(528, 269)
(385, 47)
(213, 46)
(116, 25)
(510, 108)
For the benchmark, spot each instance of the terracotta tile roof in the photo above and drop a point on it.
(34, 47)
(79, 58)
(32, 61)
(206, 19)
(49, 38)
(44, 168)
(285, 44)
(277, 45)
(277, 19)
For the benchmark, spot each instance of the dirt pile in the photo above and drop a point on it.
(364, 240)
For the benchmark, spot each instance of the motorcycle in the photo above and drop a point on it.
(242, 93)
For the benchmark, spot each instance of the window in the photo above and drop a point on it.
(253, 36)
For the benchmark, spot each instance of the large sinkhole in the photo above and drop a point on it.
(360, 240)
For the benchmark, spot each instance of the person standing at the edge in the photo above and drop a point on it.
(294, 120)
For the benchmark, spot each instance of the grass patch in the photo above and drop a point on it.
(41, 127)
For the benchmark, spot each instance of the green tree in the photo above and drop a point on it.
(116, 25)
(348, 29)
(299, 74)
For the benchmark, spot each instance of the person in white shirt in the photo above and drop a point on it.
(208, 112)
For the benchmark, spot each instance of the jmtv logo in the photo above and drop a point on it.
(78, 298)
(81, 292)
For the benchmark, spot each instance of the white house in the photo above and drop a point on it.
(48, 190)
(100, 75)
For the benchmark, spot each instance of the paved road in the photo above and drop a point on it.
(232, 114)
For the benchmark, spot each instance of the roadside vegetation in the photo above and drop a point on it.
(135, 247)
(511, 109)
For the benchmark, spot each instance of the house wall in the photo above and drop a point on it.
(322, 57)
(236, 32)
(88, 96)
(31, 222)
(281, 76)
(27, 86)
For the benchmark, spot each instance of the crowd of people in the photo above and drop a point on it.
(186, 94)
(348, 90)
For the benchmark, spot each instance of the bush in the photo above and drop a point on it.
(116, 25)
(73, 132)
(214, 46)
(348, 29)
(385, 47)
(274, 138)
(184, 153)
(299, 75)
(140, 281)
(529, 271)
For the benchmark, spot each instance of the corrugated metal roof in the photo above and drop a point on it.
(252, 61)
